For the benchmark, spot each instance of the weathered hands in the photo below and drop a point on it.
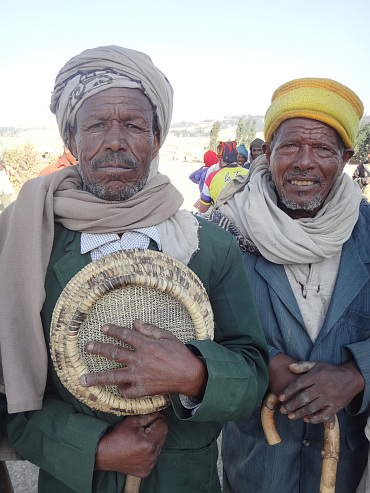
(158, 364)
(320, 390)
(133, 445)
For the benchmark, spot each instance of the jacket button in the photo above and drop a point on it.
(306, 443)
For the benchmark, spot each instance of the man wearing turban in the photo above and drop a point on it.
(303, 228)
(113, 109)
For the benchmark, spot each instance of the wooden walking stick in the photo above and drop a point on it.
(132, 484)
(330, 452)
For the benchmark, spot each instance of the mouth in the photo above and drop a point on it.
(301, 183)
(119, 167)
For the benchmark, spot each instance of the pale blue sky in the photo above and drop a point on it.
(223, 58)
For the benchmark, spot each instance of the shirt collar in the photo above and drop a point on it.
(90, 241)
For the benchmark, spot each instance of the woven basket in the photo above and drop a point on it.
(120, 288)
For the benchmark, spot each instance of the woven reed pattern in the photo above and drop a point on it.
(118, 289)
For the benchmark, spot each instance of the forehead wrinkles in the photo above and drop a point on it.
(110, 102)
(307, 130)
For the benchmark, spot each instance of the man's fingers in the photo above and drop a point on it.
(324, 416)
(124, 334)
(150, 330)
(110, 377)
(113, 352)
(302, 366)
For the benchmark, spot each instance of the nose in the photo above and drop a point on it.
(115, 138)
(305, 158)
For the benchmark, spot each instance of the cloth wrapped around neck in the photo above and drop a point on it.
(26, 239)
(250, 202)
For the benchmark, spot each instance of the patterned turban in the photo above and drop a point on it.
(105, 67)
(227, 150)
(318, 99)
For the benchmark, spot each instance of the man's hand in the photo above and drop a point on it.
(158, 364)
(133, 445)
(280, 375)
(320, 391)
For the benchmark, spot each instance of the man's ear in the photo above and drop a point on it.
(347, 154)
(155, 144)
(267, 151)
(72, 142)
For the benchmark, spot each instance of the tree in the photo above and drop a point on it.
(214, 137)
(26, 160)
(362, 144)
(239, 131)
(245, 134)
(248, 132)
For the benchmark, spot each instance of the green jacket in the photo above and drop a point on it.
(62, 437)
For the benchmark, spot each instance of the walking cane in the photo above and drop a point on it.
(132, 484)
(330, 453)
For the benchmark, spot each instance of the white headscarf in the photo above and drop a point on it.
(250, 202)
(105, 67)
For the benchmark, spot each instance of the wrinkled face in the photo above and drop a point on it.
(256, 151)
(305, 160)
(240, 159)
(114, 142)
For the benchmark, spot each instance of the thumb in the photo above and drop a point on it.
(302, 366)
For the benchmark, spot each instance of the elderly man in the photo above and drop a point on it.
(255, 149)
(113, 108)
(304, 231)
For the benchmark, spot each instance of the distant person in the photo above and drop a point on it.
(243, 157)
(255, 149)
(217, 180)
(199, 175)
(66, 159)
(6, 186)
(362, 176)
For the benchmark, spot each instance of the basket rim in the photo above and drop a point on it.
(124, 268)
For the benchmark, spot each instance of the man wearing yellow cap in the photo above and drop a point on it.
(303, 228)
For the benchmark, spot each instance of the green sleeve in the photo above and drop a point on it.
(58, 439)
(237, 360)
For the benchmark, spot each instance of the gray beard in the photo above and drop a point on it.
(105, 193)
(314, 204)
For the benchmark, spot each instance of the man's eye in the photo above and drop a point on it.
(97, 125)
(131, 125)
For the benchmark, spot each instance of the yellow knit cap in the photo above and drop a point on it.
(319, 99)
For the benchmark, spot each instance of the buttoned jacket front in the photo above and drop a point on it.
(294, 465)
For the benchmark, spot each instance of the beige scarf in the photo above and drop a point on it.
(250, 202)
(26, 239)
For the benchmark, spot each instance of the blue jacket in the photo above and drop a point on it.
(199, 176)
(294, 465)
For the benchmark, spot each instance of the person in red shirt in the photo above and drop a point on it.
(66, 159)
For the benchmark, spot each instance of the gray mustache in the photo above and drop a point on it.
(114, 158)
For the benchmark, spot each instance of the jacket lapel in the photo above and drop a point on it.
(274, 275)
(352, 277)
(70, 260)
